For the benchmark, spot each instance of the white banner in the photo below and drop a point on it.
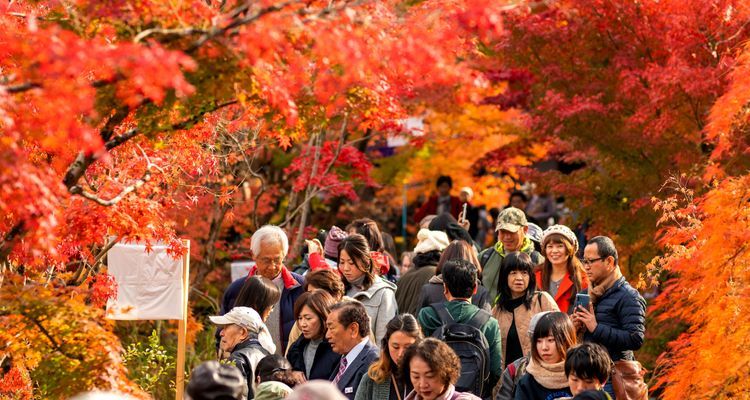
(149, 284)
(241, 268)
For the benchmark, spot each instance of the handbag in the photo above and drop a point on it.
(627, 381)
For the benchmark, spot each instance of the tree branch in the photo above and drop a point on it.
(52, 340)
(23, 87)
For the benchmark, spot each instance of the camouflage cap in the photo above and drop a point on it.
(511, 219)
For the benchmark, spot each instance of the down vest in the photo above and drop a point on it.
(621, 318)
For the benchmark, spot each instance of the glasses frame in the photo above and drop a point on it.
(591, 261)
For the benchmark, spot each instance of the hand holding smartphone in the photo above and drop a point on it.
(462, 216)
(582, 300)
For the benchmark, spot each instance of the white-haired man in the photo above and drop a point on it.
(269, 246)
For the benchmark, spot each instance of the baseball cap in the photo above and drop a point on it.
(245, 317)
(511, 219)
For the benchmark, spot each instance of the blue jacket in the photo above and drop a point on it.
(324, 363)
(292, 290)
(621, 321)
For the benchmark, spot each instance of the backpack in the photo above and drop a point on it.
(485, 255)
(471, 347)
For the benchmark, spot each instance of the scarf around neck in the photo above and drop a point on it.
(598, 290)
(526, 247)
(551, 376)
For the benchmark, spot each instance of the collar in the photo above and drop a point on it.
(526, 247)
(352, 355)
(289, 281)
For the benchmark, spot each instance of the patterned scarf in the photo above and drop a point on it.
(598, 290)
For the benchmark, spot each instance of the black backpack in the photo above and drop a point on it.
(471, 347)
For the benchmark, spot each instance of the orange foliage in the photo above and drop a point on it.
(48, 329)
(709, 262)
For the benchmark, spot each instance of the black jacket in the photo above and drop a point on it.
(529, 389)
(323, 364)
(245, 356)
(621, 321)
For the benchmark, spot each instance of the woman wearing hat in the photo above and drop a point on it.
(560, 274)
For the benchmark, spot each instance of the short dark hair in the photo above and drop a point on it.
(319, 301)
(444, 179)
(213, 380)
(518, 193)
(443, 362)
(258, 293)
(588, 361)
(460, 277)
(516, 261)
(559, 326)
(271, 364)
(605, 247)
(326, 279)
(351, 312)
(592, 395)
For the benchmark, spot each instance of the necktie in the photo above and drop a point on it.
(342, 369)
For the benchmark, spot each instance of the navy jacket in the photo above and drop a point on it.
(621, 321)
(292, 290)
(324, 363)
(350, 381)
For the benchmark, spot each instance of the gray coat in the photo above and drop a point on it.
(380, 302)
(370, 390)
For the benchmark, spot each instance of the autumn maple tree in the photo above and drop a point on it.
(121, 119)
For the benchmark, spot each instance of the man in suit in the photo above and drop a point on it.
(348, 334)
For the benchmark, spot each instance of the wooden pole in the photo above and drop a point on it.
(182, 325)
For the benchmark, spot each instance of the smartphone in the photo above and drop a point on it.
(582, 300)
(463, 214)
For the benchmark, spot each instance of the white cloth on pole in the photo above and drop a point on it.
(149, 284)
(240, 269)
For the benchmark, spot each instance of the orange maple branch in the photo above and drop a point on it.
(52, 340)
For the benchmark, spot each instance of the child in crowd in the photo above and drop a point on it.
(587, 367)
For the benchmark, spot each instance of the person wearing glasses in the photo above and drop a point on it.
(269, 246)
(616, 315)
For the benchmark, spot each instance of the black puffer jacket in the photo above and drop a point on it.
(621, 321)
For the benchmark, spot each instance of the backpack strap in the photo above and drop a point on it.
(442, 312)
(485, 256)
(479, 319)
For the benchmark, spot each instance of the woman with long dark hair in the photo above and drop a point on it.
(517, 302)
(258, 293)
(561, 275)
(362, 284)
(383, 381)
(311, 353)
(545, 375)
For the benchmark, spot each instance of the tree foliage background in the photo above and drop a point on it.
(155, 120)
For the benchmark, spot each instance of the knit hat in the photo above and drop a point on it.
(535, 320)
(335, 236)
(431, 240)
(535, 232)
(213, 380)
(511, 219)
(564, 231)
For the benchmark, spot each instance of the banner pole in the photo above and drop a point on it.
(182, 325)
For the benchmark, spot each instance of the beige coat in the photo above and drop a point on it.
(539, 303)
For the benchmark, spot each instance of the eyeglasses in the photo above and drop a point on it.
(591, 261)
(269, 260)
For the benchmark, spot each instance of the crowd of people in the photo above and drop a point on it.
(526, 318)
